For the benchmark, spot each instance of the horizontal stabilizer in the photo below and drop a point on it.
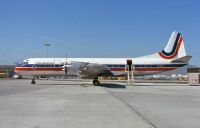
(184, 59)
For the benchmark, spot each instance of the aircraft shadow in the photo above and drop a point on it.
(57, 84)
(113, 85)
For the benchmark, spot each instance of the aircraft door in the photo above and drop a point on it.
(129, 64)
(130, 70)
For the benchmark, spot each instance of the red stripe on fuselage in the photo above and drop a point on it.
(37, 69)
(142, 69)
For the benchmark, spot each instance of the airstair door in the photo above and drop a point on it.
(130, 70)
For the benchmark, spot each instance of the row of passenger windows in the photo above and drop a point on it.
(150, 66)
(122, 66)
(48, 65)
(110, 66)
(115, 66)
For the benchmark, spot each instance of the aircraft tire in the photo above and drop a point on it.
(33, 81)
(96, 82)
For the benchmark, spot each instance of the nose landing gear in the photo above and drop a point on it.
(33, 81)
(96, 82)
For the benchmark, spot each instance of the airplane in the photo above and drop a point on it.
(171, 57)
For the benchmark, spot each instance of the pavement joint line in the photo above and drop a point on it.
(174, 92)
(132, 109)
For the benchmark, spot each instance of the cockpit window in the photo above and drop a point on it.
(24, 63)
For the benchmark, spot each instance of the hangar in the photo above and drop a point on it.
(6, 71)
(193, 75)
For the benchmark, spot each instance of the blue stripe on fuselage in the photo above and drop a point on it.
(147, 66)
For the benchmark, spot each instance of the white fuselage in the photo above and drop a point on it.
(170, 58)
(54, 66)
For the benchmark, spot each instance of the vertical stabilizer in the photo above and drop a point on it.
(175, 47)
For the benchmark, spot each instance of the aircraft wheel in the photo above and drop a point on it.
(33, 81)
(96, 82)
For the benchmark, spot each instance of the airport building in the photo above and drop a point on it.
(193, 75)
(6, 71)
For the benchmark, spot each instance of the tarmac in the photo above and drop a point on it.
(71, 104)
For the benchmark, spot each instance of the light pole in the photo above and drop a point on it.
(47, 45)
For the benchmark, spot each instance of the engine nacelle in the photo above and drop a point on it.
(86, 70)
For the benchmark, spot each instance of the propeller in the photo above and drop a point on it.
(65, 65)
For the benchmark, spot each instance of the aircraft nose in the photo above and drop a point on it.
(15, 69)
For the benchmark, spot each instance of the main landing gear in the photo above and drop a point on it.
(96, 81)
(33, 81)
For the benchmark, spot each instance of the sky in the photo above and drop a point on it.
(95, 28)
